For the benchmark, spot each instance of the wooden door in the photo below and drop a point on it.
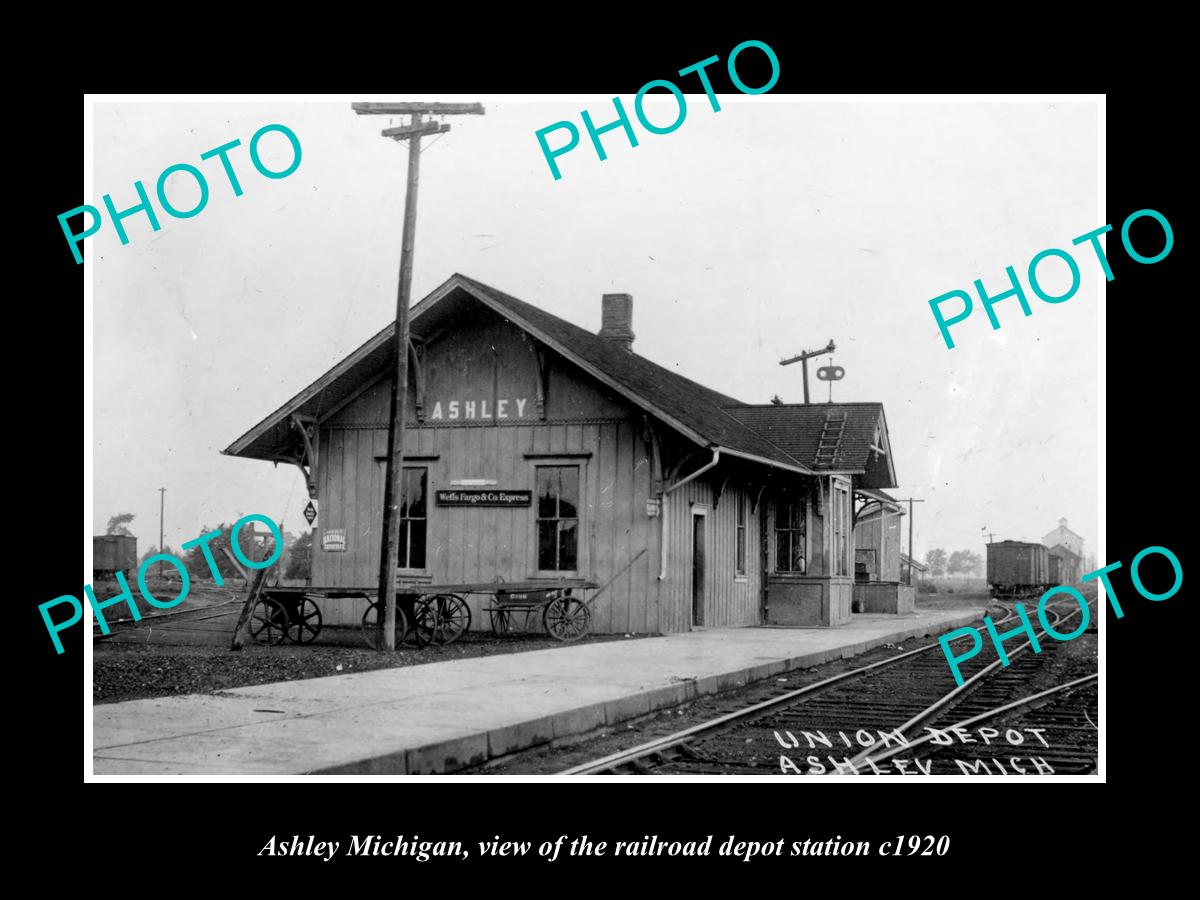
(698, 561)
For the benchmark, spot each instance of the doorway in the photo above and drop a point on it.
(698, 542)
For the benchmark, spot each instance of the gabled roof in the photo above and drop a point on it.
(829, 437)
(876, 494)
(1060, 528)
(649, 385)
(701, 414)
(882, 500)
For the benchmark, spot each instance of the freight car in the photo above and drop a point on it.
(112, 553)
(1018, 569)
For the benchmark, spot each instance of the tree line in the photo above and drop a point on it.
(296, 561)
(960, 562)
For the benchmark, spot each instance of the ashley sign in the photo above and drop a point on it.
(480, 409)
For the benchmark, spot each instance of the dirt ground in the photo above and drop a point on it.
(134, 671)
(944, 601)
(186, 650)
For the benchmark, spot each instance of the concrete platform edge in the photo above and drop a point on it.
(445, 757)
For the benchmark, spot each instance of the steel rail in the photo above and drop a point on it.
(987, 714)
(969, 685)
(659, 744)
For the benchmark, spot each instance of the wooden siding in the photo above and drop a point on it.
(478, 543)
(584, 424)
(466, 544)
(882, 534)
(730, 599)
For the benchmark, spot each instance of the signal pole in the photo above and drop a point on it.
(162, 503)
(803, 359)
(910, 501)
(394, 473)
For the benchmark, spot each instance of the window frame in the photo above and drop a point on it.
(581, 545)
(410, 570)
(840, 533)
(740, 546)
(781, 503)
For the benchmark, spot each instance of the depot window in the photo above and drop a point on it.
(790, 516)
(841, 530)
(557, 518)
(741, 535)
(414, 505)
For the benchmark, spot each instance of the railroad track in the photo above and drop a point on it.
(192, 612)
(868, 716)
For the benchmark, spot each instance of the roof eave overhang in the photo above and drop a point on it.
(875, 495)
(888, 438)
(239, 447)
(762, 460)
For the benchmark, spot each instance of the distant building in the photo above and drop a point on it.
(877, 538)
(1064, 565)
(880, 579)
(1066, 537)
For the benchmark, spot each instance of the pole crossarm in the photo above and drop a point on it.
(403, 109)
(803, 359)
(404, 132)
(808, 354)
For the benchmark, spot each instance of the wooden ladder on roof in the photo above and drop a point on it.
(831, 438)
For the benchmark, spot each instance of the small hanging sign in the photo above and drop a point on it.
(471, 497)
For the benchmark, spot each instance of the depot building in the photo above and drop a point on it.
(536, 450)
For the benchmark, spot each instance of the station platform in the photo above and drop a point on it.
(444, 716)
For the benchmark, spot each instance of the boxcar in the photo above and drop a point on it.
(112, 553)
(1016, 568)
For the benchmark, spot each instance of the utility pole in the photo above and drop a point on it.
(803, 359)
(162, 503)
(910, 501)
(394, 472)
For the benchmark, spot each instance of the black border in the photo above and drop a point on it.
(222, 827)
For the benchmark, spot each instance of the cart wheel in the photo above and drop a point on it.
(567, 618)
(442, 619)
(370, 622)
(501, 621)
(305, 624)
(268, 621)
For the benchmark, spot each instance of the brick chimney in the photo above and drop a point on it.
(616, 320)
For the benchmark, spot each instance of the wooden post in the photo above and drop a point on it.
(389, 553)
(253, 589)
(910, 501)
(394, 472)
(910, 546)
(162, 501)
(803, 359)
(246, 577)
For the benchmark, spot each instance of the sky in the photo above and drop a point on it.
(745, 236)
